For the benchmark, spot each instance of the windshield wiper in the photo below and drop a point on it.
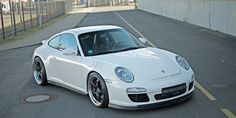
(130, 48)
(107, 52)
(99, 53)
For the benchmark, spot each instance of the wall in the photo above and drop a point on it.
(218, 15)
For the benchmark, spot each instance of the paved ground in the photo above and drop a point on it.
(211, 54)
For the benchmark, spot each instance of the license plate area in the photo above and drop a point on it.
(174, 90)
(171, 91)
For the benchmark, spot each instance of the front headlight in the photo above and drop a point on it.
(124, 74)
(182, 62)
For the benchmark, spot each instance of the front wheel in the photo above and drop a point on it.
(97, 90)
(39, 72)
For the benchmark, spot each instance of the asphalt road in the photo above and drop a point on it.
(211, 54)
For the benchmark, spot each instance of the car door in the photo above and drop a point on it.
(53, 52)
(68, 67)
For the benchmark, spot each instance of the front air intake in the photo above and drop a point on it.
(138, 97)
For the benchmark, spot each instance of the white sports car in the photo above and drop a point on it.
(113, 67)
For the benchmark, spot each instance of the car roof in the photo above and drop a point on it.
(87, 29)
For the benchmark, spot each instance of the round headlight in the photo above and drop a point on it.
(124, 74)
(182, 62)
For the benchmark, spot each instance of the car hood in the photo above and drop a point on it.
(150, 63)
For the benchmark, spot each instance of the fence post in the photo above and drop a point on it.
(33, 12)
(57, 9)
(40, 14)
(18, 8)
(61, 8)
(3, 30)
(53, 9)
(36, 13)
(31, 24)
(12, 27)
(41, 11)
(14, 18)
(47, 11)
(23, 14)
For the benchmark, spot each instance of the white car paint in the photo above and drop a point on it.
(146, 64)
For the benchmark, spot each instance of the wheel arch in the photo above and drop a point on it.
(44, 62)
(40, 60)
(35, 56)
(87, 78)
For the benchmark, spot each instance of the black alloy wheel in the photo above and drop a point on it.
(97, 90)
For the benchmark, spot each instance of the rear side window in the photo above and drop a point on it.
(63, 41)
(55, 42)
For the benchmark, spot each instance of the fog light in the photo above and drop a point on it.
(136, 90)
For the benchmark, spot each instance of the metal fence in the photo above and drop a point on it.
(17, 17)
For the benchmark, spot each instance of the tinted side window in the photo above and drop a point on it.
(68, 41)
(54, 42)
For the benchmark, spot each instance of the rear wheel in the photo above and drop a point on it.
(97, 90)
(39, 72)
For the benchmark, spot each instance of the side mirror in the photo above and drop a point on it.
(69, 51)
(44, 41)
(143, 40)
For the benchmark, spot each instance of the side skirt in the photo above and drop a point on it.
(65, 86)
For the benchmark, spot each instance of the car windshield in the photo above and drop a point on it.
(108, 41)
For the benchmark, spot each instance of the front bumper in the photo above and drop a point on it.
(119, 98)
(155, 105)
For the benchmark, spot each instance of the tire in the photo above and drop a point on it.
(97, 90)
(39, 72)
